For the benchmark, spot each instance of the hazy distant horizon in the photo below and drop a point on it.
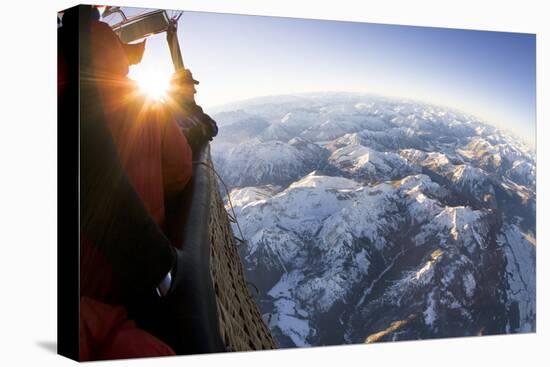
(214, 109)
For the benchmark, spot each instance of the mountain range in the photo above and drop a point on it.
(373, 219)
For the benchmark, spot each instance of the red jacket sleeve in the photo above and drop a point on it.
(177, 159)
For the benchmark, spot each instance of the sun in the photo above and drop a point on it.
(154, 84)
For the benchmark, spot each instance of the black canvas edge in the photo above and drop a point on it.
(68, 214)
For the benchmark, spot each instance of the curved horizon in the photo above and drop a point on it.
(219, 108)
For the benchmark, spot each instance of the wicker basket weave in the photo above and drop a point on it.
(241, 325)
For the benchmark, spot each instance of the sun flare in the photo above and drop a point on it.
(153, 84)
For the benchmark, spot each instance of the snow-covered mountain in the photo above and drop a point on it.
(257, 162)
(369, 219)
(369, 164)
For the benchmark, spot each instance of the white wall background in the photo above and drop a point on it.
(28, 182)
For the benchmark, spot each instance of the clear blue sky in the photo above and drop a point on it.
(488, 74)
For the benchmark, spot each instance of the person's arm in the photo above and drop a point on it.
(177, 158)
(111, 214)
